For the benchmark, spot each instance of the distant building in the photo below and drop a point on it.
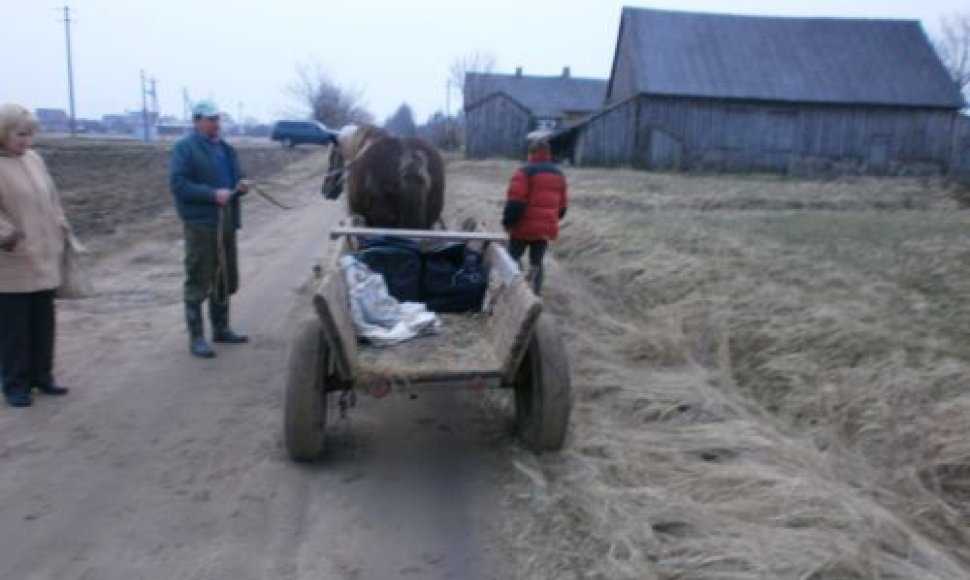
(53, 120)
(169, 126)
(116, 124)
(740, 93)
(501, 109)
(89, 126)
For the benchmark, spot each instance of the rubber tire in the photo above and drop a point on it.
(305, 400)
(543, 399)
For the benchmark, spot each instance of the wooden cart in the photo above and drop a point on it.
(511, 344)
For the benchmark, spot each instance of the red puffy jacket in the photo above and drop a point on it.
(536, 200)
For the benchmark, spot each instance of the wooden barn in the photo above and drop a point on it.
(712, 92)
(501, 109)
(960, 165)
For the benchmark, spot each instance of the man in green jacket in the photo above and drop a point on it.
(206, 182)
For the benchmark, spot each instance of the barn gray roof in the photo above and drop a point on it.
(829, 60)
(541, 96)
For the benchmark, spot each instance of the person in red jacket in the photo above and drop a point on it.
(535, 203)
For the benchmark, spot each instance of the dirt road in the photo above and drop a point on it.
(160, 465)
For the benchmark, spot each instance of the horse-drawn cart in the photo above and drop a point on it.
(510, 344)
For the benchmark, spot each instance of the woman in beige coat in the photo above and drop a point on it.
(33, 233)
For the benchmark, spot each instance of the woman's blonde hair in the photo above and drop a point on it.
(13, 117)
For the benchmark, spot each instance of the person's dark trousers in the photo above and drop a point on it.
(211, 272)
(27, 327)
(537, 251)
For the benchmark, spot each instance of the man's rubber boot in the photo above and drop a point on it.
(219, 316)
(18, 395)
(193, 320)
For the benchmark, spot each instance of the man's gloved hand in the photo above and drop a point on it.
(562, 212)
(223, 196)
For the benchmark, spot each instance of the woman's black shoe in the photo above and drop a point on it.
(18, 397)
(52, 390)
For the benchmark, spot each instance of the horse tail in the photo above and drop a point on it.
(415, 184)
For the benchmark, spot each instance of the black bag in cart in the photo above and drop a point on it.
(399, 261)
(454, 279)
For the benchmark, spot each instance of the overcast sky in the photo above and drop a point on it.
(244, 54)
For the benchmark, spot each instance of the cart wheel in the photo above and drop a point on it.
(305, 400)
(542, 390)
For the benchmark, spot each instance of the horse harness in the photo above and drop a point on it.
(344, 170)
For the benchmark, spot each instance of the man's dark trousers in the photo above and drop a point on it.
(203, 276)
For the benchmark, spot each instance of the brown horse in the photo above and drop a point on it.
(391, 182)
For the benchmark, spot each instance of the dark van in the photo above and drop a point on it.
(292, 133)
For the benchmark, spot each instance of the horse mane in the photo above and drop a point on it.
(354, 138)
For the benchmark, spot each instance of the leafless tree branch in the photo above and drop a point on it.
(953, 46)
(319, 97)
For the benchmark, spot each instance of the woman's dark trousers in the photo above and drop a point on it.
(27, 326)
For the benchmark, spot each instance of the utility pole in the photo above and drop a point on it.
(186, 105)
(447, 97)
(144, 105)
(70, 67)
(154, 94)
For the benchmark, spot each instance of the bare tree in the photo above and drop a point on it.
(320, 97)
(444, 131)
(401, 123)
(953, 46)
(473, 62)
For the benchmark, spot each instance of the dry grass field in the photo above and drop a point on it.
(772, 379)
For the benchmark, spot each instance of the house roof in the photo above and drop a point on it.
(540, 95)
(829, 60)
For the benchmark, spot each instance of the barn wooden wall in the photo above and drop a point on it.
(609, 138)
(496, 128)
(668, 132)
(960, 164)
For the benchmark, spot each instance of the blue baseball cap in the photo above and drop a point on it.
(205, 108)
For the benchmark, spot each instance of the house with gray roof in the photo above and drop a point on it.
(501, 109)
(725, 92)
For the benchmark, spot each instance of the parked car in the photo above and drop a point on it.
(292, 133)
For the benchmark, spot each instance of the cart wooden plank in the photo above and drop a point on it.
(444, 235)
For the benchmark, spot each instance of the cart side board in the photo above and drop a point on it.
(337, 324)
(515, 311)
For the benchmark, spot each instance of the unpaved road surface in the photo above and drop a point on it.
(158, 465)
